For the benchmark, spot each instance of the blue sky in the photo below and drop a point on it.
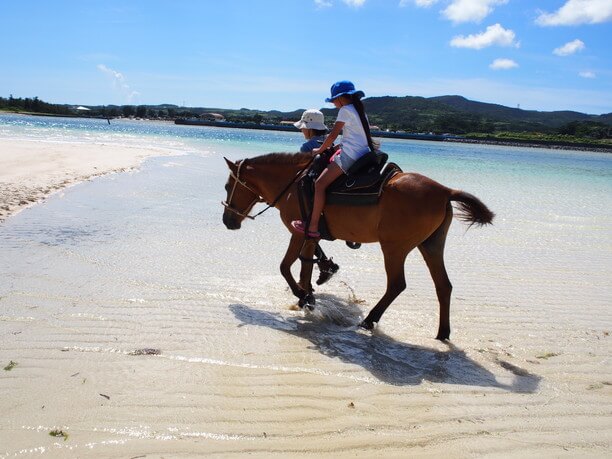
(285, 54)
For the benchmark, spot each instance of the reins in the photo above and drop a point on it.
(259, 198)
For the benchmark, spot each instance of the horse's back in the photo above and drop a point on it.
(415, 190)
(413, 182)
(413, 202)
(412, 206)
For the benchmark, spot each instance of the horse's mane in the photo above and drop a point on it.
(281, 158)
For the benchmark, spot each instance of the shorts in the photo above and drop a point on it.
(343, 161)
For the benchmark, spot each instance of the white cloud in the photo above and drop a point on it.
(578, 12)
(460, 10)
(569, 48)
(119, 82)
(494, 35)
(470, 10)
(354, 3)
(503, 64)
(420, 3)
(322, 3)
(587, 74)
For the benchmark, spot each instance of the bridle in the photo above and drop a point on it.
(237, 181)
(258, 198)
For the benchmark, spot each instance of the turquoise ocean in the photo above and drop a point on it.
(142, 260)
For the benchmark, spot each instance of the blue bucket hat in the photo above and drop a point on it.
(342, 88)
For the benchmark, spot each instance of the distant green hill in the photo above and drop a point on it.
(507, 114)
(444, 114)
(458, 115)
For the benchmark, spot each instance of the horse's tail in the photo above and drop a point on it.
(471, 209)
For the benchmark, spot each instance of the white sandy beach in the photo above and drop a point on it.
(235, 371)
(31, 170)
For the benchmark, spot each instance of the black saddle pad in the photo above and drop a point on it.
(363, 188)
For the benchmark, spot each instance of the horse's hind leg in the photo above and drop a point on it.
(395, 256)
(432, 250)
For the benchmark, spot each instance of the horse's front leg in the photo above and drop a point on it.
(292, 254)
(307, 259)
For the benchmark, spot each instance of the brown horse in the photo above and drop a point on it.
(413, 211)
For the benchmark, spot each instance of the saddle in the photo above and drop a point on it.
(362, 185)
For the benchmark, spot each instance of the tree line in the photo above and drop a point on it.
(34, 105)
(418, 116)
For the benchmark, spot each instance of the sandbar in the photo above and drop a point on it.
(32, 170)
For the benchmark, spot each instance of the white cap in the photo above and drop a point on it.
(312, 119)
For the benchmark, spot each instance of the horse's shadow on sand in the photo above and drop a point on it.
(332, 330)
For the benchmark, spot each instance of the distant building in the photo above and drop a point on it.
(212, 117)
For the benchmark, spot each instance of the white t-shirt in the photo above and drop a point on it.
(354, 140)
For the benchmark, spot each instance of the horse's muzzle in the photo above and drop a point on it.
(230, 221)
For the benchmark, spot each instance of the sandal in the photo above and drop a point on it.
(298, 225)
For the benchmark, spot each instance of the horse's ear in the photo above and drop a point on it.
(231, 165)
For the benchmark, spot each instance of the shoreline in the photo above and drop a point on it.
(34, 170)
(533, 144)
(380, 134)
(410, 136)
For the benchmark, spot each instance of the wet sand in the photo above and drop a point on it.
(140, 327)
(32, 170)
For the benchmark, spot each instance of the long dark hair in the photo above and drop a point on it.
(358, 104)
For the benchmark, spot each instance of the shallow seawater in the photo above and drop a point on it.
(141, 260)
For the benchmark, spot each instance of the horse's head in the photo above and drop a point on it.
(240, 195)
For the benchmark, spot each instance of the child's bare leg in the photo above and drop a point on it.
(331, 173)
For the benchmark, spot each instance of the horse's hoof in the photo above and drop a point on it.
(443, 335)
(366, 325)
(307, 301)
